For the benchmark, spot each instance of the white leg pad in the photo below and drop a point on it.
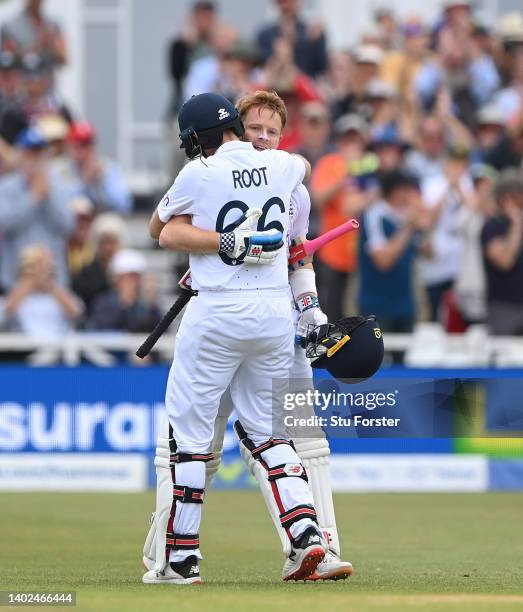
(259, 472)
(315, 456)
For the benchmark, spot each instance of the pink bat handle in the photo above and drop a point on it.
(311, 246)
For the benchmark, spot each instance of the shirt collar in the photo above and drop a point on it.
(233, 145)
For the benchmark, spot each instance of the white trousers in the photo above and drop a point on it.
(239, 338)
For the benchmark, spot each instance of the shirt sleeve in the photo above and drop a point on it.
(301, 208)
(180, 198)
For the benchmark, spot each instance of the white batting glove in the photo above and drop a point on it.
(311, 315)
(259, 247)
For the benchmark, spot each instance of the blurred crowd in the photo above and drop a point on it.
(416, 130)
(63, 261)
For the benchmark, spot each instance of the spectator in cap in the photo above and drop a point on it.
(98, 178)
(308, 42)
(389, 35)
(490, 131)
(34, 209)
(37, 305)
(38, 98)
(123, 307)
(335, 191)
(387, 250)
(444, 195)
(367, 63)
(506, 145)
(502, 240)
(382, 104)
(32, 32)
(389, 147)
(92, 278)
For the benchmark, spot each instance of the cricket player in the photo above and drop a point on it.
(238, 333)
(264, 116)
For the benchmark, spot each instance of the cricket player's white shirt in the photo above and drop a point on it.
(299, 212)
(217, 190)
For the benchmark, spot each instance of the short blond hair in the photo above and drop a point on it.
(262, 99)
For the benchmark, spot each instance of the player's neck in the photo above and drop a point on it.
(229, 136)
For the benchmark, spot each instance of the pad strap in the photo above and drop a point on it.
(188, 495)
(178, 541)
(286, 470)
(185, 457)
(297, 513)
(258, 450)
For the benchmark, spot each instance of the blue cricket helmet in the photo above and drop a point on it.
(202, 121)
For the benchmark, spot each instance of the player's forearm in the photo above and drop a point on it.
(155, 226)
(186, 238)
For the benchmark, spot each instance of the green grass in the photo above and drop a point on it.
(410, 552)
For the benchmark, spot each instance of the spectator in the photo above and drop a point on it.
(193, 43)
(389, 148)
(37, 305)
(401, 66)
(367, 62)
(296, 88)
(427, 159)
(444, 195)
(470, 286)
(314, 131)
(100, 179)
(205, 73)
(308, 42)
(92, 279)
(381, 104)
(80, 248)
(338, 84)
(502, 240)
(508, 152)
(490, 132)
(32, 32)
(38, 98)
(469, 75)
(123, 307)
(510, 99)
(34, 209)
(12, 117)
(387, 250)
(333, 190)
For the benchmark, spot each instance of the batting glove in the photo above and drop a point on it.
(311, 316)
(249, 244)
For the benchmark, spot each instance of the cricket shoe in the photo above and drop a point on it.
(331, 568)
(184, 572)
(307, 552)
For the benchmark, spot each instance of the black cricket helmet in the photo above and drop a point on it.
(350, 349)
(202, 121)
